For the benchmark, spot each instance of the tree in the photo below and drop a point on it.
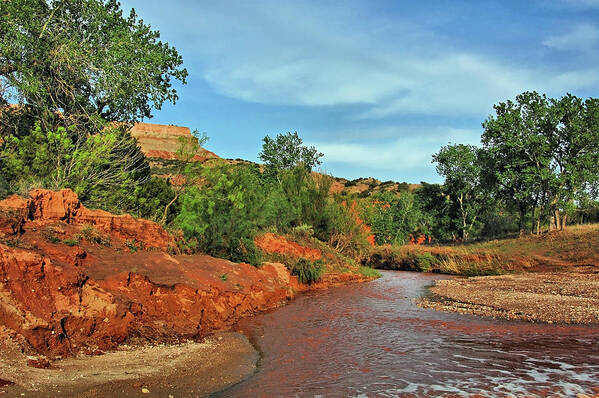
(460, 166)
(106, 170)
(187, 168)
(518, 154)
(222, 216)
(396, 218)
(287, 151)
(437, 208)
(81, 62)
(575, 150)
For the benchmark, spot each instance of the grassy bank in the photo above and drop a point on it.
(575, 246)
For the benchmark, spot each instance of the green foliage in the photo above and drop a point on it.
(286, 152)
(222, 217)
(422, 262)
(85, 60)
(307, 271)
(106, 170)
(369, 272)
(542, 154)
(461, 167)
(396, 217)
(74, 241)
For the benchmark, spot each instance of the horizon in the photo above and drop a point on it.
(377, 89)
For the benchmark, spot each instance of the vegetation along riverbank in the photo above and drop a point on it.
(133, 243)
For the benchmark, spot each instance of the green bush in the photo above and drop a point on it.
(307, 271)
(423, 262)
(74, 241)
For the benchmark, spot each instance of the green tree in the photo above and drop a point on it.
(460, 166)
(187, 169)
(82, 62)
(222, 216)
(287, 151)
(575, 153)
(518, 154)
(396, 218)
(106, 170)
(437, 208)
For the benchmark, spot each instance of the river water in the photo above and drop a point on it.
(371, 340)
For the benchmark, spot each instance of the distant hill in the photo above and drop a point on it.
(161, 142)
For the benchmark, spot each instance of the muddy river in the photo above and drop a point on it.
(371, 340)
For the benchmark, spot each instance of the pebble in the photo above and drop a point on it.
(145, 391)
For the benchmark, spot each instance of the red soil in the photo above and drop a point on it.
(59, 300)
(276, 244)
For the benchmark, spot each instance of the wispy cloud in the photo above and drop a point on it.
(409, 151)
(583, 37)
(321, 60)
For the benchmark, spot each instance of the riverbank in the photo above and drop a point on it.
(76, 282)
(568, 296)
(189, 369)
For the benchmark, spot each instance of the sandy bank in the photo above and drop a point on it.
(569, 296)
(190, 369)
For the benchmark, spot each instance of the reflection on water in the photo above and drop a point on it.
(372, 340)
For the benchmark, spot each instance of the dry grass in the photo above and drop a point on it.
(575, 246)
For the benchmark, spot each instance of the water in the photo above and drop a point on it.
(371, 340)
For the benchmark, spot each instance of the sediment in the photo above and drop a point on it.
(569, 296)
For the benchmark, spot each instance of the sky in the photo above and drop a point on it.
(377, 86)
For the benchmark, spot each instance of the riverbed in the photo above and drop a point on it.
(373, 340)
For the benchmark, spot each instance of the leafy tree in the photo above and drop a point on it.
(187, 169)
(575, 152)
(396, 218)
(518, 153)
(437, 208)
(460, 166)
(222, 216)
(287, 151)
(82, 62)
(100, 168)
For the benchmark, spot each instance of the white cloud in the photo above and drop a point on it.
(583, 37)
(411, 150)
(321, 59)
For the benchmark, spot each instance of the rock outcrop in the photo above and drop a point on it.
(46, 206)
(161, 141)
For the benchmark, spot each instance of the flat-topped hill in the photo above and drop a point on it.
(162, 141)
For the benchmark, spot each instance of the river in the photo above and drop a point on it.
(371, 340)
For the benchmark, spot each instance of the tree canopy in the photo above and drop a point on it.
(287, 151)
(84, 60)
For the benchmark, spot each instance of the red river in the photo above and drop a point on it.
(371, 340)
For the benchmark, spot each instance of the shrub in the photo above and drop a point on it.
(74, 241)
(307, 271)
(92, 235)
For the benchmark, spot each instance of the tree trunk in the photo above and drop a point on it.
(521, 221)
(564, 221)
(557, 219)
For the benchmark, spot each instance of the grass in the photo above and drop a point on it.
(369, 272)
(575, 245)
(74, 241)
(307, 271)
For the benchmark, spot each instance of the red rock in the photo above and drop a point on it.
(41, 363)
(276, 244)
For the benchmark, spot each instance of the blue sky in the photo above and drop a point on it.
(378, 86)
